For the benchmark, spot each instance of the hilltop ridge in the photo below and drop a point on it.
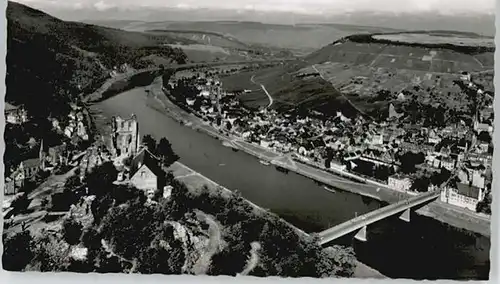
(55, 61)
(358, 68)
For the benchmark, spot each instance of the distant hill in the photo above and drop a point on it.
(213, 46)
(301, 38)
(50, 61)
(370, 70)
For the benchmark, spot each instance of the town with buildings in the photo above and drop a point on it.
(403, 156)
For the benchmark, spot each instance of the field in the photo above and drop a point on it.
(209, 38)
(438, 38)
(363, 73)
(402, 57)
(208, 53)
(487, 59)
(365, 84)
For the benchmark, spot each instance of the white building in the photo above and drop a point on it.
(462, 195)
(377, 139)
(448, 163)
(265, 143)
(400, 182)
(190, 102)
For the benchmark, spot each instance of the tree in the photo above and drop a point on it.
(421, 184)
(18, 251)
(20, 204)
(484, 136)
(72, 231)
(129, 228)
(149, 142)
(409, 160)
(166, 152)
(484, 206)
(440, 177)
(51, 254)
(73, 182)
(101, 179)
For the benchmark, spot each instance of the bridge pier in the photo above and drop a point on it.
(405, 216)
(361, 235)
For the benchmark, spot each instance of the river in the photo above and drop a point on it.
(421, 249)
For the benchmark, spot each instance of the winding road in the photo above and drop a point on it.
(265, 91)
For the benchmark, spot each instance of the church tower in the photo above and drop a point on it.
(42, 156)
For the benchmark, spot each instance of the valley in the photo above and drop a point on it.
(270, 137)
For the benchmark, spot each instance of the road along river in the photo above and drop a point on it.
(421, 249)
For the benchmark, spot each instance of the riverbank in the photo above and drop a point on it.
(437, 210)
(307, 205)
(194, 181)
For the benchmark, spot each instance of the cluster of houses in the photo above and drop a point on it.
(136, 165)
(49, 157)
(118, 70)
(76, 125)
(309, 138)
(15, 114)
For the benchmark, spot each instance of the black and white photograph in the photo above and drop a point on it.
(250, 138)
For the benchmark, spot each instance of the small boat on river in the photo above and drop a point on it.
(329, 189)
(264, 163)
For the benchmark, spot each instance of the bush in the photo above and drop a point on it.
(18, 251)
(72, 231)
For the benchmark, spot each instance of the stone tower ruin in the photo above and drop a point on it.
(125, 137)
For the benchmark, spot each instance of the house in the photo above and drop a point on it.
(436, 162)
(482, 148)
(480, 127)
(190, 102)
(15, 115)
(80, 116)
(448, 163)
(55, 124)
(377, 139)
(393, 113)
(9, 187)
(400, 182)
(462, 195)
(265, 143)
(475, 176)
(27, 169)
(30, 167)
(433, 138)
(336, 165)
(81, 131)
(465, 76)
(146, 173)
(53, 156)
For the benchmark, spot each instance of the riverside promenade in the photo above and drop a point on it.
(438, 210)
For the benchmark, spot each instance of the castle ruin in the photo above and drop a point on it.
(125, 136)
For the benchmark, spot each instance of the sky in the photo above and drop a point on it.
(295, 6)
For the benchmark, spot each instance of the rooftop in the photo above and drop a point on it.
(10, 107)
(30, 163)
(467, 190)
(145, 157)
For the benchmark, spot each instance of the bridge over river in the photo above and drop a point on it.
(362, 221)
